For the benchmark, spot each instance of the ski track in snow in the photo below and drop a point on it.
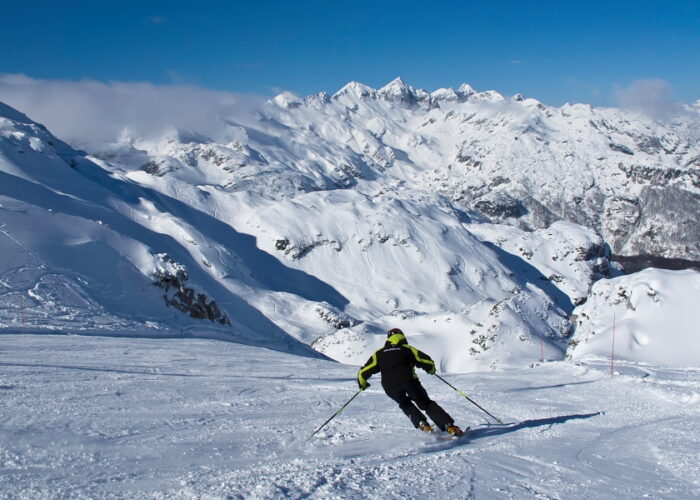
(93, 417)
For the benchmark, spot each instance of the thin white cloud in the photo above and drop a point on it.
(651, 97)
(88, 113)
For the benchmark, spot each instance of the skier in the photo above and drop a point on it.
(397, 361)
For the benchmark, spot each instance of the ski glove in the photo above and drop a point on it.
(363, 387)
(432, 371)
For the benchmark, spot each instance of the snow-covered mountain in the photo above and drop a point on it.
(326, 220)
(86, 251)
(634, 180)
(97, 248)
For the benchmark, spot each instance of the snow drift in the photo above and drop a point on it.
(653, 313)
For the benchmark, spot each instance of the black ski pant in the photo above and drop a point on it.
(412, 392)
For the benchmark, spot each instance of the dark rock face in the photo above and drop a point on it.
(501, 207)
(660, 219)
(632, 264)
(622, 149)
(172, 278)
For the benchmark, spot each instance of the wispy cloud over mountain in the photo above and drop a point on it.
(90, 113)
(651, 97)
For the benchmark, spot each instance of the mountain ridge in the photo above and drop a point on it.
(329, 219)
(333, 268)
(630, 163)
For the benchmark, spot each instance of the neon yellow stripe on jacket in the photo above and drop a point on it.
(369, 366)
(416, 354)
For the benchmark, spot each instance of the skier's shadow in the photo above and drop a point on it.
(497, 430)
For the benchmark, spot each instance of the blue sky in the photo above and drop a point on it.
(553, 51)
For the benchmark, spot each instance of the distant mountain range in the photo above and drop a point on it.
(474, 221)
(634, 180)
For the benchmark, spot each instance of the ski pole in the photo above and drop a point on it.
(335, 414)
(468, 399)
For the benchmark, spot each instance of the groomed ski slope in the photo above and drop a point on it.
(101, 417)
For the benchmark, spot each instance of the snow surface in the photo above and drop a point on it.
(153, 418)
(569, 256)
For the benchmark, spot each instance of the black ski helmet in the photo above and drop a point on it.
(394, 331)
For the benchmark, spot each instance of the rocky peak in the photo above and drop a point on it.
(356, 89)
(466, 90)
(398, 91)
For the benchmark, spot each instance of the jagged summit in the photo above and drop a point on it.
(398, 90)
(395, 91)
(466, 89)
(397, 83)
(356, 89)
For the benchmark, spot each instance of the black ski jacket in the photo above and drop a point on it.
(397, 361)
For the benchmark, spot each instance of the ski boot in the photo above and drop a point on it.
(425, 427)
(454, 430)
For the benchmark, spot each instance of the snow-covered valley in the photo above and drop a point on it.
(99, 417)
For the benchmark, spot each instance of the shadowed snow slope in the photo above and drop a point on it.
(82, 250)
